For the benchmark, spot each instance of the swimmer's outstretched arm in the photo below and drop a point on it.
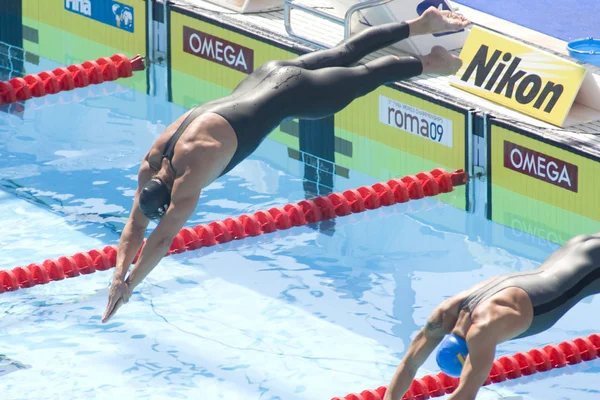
(421, 347)
(130, 242)
(132, 237)
(184, 198)
(481, 340)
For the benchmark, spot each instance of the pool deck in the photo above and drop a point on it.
(585, 137)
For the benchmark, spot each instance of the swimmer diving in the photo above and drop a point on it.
(211, 139)
(467, 327)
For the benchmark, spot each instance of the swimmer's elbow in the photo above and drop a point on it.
(138, 226)
(166, 233)
(163, 241)
(440, 322)
(411, 366)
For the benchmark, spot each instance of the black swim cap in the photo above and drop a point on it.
(154, 199)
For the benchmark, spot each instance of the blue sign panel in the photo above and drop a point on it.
(108, 12)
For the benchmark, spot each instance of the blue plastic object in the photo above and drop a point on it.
(451, 355)
(586, 50)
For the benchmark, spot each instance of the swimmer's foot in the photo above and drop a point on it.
(437, 21)
(440, 62)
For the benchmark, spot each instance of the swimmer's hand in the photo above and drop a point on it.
(118, 295)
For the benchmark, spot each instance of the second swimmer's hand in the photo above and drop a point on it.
(118, 295)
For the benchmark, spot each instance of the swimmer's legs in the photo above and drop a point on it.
(329, 90)
(355, 48)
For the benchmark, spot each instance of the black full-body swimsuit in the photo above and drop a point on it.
(568, 276)
(312, 86)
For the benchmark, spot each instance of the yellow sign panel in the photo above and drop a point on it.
(70, 31)
(429, 135)
(518, 76)
(213, 54)
(547, 184)
(394, 133)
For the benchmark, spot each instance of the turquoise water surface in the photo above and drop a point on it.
(309, 313)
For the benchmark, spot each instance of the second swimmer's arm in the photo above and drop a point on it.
(184, 198)
(421, 347)
(482, 341)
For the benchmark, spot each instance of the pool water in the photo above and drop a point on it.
(565, 19)
(308, 313)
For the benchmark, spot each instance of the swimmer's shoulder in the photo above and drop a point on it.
(154, 155)
(450, 307)
(161, 141)
(508, 313)
(461, 296)
(454, 303)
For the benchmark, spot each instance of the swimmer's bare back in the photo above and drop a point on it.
(539, 297)
(452, 317)
(208, 143)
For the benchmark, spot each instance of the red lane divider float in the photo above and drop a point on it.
(235, 228)
(68, 78)
(506, 367)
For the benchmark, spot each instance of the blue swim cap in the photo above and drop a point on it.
(451, 355)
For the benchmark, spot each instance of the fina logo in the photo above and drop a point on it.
(79, 6)
(123, 16)
(107, 12)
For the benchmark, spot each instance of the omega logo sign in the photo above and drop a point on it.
(541, 166)
(218, 50)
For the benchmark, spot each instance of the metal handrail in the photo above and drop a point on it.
(346, 22)
(289, 5)
(357, 7)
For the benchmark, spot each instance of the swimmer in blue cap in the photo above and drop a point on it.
(467, 327)
(210, 140)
